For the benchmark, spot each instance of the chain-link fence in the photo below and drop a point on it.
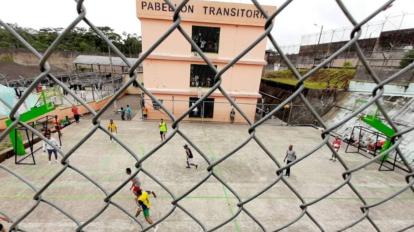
(347, 174)
(369, 30)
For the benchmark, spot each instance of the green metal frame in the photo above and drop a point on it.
(380, 126)
(35, 112)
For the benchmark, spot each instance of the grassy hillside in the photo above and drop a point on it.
(339, 77)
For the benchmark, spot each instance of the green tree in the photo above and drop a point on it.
(132, 45)
(407, 59)
(78, 39)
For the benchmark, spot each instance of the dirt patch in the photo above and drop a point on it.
(13, 71)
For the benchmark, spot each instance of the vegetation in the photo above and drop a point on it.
(6, 58)
(338, 77)
(79, 39)
(347, 64)
(407, 59)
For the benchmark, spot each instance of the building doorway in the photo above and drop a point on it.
(203, 110)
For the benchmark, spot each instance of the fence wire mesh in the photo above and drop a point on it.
(305, 205)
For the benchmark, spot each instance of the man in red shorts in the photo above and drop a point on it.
(336, 144)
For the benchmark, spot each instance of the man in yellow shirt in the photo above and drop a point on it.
(145, 205)
(163, 129)
(112, 128)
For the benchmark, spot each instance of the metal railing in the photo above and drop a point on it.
(304, 206)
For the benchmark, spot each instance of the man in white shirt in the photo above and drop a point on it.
(290, 157)
(50, 149)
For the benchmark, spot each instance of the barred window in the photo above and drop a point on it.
(206, 38)
(201, 76)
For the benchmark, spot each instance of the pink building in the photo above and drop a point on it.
(178, 76)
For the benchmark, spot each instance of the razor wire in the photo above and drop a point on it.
(304, 207)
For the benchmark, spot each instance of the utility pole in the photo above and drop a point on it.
(320, 35)
(110, 67)
(376, 45)
(319, 41)
(402, 20)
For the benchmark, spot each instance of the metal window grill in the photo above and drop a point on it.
(278, 179)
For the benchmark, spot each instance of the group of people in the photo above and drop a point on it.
(291, 154)
(366, 142)
(126, 113)
(113, 129)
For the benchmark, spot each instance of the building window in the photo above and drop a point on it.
(203, 110)
(201, 76)
(206, 38)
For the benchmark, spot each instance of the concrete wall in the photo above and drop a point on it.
(132, 89)
(391, 89)
(61, 60)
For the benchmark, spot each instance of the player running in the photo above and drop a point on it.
(336, 145)
(144, 205)
(189, 157)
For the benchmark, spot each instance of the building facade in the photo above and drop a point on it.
(178, 76)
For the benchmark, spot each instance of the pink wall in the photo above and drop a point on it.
(176, 75)
(178, 104)
(172, 75)
(176, 45)
(167, 69)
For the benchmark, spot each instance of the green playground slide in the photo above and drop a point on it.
(15, 138)
(380, 126)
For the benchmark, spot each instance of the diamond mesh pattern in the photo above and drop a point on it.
(44, 67)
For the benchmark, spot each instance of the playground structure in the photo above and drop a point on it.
(35, 118)
(17, 139)
(90, 86)
(382, 135)
(45, 125)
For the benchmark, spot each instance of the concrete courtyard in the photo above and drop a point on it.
(248, 171)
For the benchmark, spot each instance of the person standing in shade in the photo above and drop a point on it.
(75, 112)
(163, 129)
(289, 158)
(232, 115)
(122, 113)
(50, 149)
(336, 146)
(144, 113)
(112, 128)
(189, 157)
(142, 100)
(144, 205)
(128, 112)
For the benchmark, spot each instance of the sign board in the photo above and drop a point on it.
(205, 11)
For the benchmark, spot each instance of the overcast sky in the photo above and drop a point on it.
(297, 19)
